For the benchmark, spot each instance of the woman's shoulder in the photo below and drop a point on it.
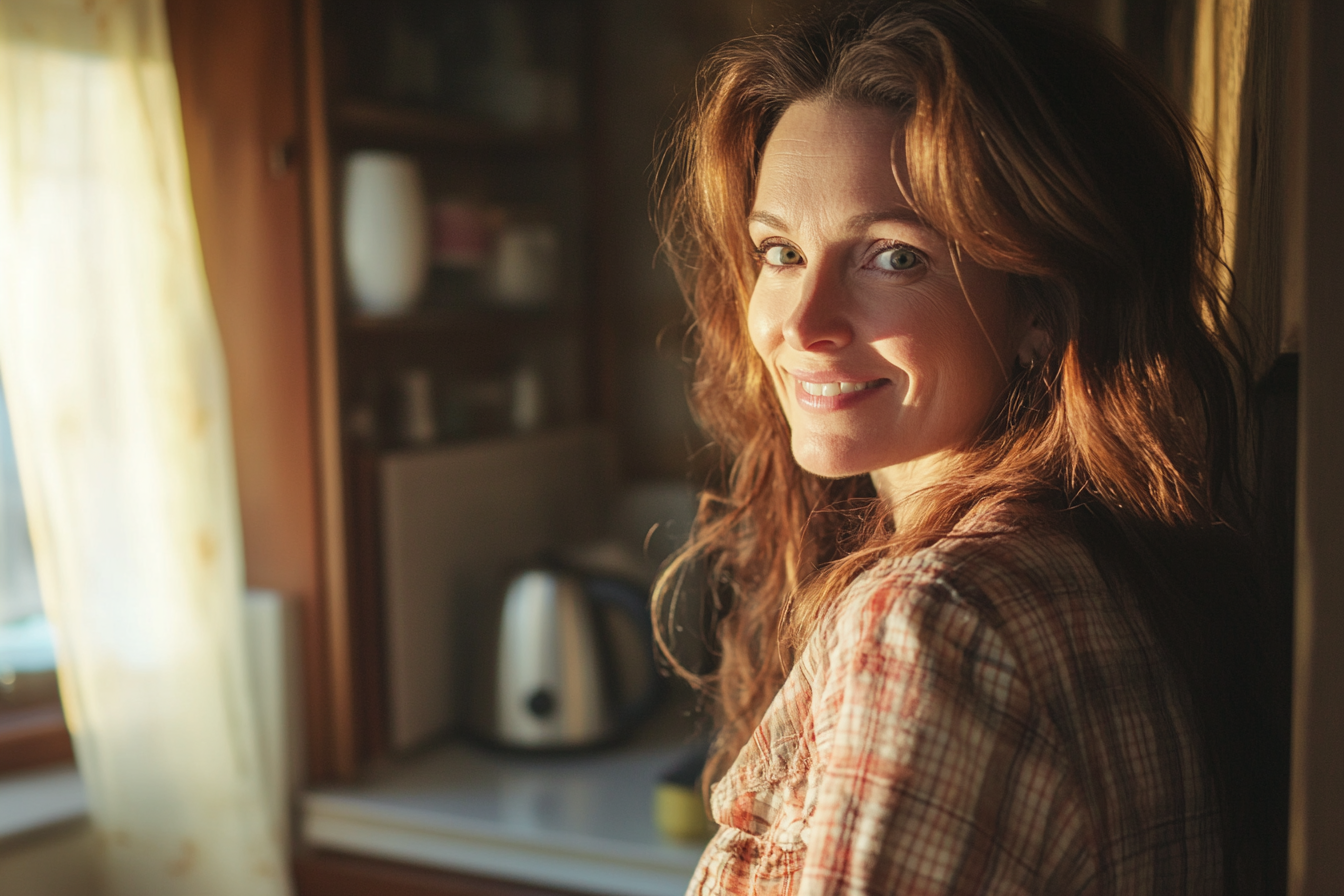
(999, 565)
(1013, 609)
(1011, 614)
(1015, 583)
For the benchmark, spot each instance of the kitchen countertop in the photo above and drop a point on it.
(581, 821)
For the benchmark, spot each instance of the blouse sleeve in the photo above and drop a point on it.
(937, 773)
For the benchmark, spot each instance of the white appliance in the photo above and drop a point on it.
(570, 664)
(452, 518)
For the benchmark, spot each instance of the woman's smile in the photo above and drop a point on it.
(829, 389)
(831, 393)
(883, 351)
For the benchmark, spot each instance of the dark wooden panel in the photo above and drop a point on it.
(335, 874)
(1314, 232)
(368, 633)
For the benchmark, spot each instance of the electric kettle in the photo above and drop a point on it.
(572, 665)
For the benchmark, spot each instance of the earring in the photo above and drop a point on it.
(1029, 364)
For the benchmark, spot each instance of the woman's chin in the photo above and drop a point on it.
(830, 463)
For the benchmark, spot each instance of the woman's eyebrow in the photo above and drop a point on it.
(768, 220)
(903, 215)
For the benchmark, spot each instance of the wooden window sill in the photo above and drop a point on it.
(33, 736)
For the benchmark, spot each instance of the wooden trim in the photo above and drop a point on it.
(334, 874)
(237, 68)
(331, 502)
(32, 737)
(1314, 269)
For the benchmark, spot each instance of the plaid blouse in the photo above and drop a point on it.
(983, 716)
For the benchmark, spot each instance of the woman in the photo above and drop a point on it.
(983, 617)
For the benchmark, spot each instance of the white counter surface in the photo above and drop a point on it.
(578, 822)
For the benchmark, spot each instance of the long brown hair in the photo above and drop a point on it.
(1036, 149)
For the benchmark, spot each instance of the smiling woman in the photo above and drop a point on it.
(886, 352)
(985, 620)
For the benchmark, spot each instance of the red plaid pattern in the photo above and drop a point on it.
(984, 716)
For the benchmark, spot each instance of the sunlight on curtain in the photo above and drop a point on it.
(1235, 100)
(115, 380)
(1218, 67)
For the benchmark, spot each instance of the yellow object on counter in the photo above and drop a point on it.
(679, 812)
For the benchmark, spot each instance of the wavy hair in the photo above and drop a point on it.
(1036, 149)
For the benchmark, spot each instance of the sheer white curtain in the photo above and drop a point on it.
(115, 380)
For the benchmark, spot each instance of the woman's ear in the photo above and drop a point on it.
(1034, 346)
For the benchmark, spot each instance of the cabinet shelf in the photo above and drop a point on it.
(362, 121)
(456, 320)
(467, 343)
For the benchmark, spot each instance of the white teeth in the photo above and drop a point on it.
(826, 390)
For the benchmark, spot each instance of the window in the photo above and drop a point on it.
(32, 729)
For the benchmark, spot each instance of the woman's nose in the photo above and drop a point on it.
(819, 318)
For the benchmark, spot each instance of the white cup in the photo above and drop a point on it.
(386, 232)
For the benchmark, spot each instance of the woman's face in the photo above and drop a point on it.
(886, 358)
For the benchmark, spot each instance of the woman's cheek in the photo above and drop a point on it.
(762, 324)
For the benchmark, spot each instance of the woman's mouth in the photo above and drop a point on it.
(834, 396)
(826, 390)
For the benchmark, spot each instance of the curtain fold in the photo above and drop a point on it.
(1238, 69)
(116, 385)
(1218, 72)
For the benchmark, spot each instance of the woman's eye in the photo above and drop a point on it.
(898, 258)
(781, 256)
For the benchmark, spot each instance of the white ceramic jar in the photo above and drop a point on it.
(386, 231)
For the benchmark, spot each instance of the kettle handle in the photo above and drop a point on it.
(628, 598)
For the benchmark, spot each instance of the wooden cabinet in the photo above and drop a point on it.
(484, 97)
(276, 97)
